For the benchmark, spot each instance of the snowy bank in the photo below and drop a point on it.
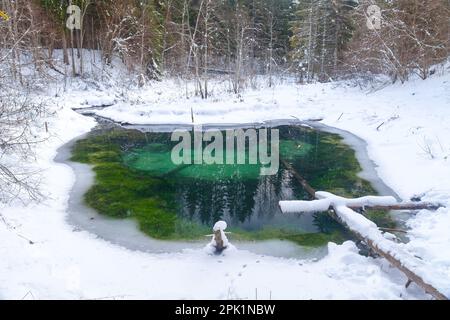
(406, 127)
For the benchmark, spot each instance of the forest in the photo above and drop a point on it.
(313, 40)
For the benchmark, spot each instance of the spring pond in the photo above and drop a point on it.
(135, 178)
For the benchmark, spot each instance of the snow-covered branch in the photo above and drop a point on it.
(367, 231)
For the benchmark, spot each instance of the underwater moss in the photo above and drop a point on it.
(311, 240)
(135, 178)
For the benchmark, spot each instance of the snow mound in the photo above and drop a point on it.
(220, 225)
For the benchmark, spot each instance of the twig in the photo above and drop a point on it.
(378, 128)
(12, 229)
(393, 230)
(28, 293)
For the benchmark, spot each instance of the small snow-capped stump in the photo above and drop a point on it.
(220, 241)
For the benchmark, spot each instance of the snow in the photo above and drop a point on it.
(411, 150)
(360, 202)
(368, 230)
(327, 200)
(305, 206)
(220, 226)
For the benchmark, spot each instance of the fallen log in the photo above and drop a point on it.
(412, 277)
(393, 230)
(403, 206)
(342, 213)
(396, 262)
(397, 206)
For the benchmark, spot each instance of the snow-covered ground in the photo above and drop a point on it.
(407, 128)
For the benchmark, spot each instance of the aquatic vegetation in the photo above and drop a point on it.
(135, 178)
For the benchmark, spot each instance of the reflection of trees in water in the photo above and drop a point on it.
(267, 196)
(324, 223)
(238, 199)
(252, 201)
(241, 200)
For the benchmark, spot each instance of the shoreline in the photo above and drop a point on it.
(125, 232)
(62, 253)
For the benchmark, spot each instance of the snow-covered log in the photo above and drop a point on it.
(327, 201)
(416, 270)
(366, 230)
(305, 206)
(360, 202)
